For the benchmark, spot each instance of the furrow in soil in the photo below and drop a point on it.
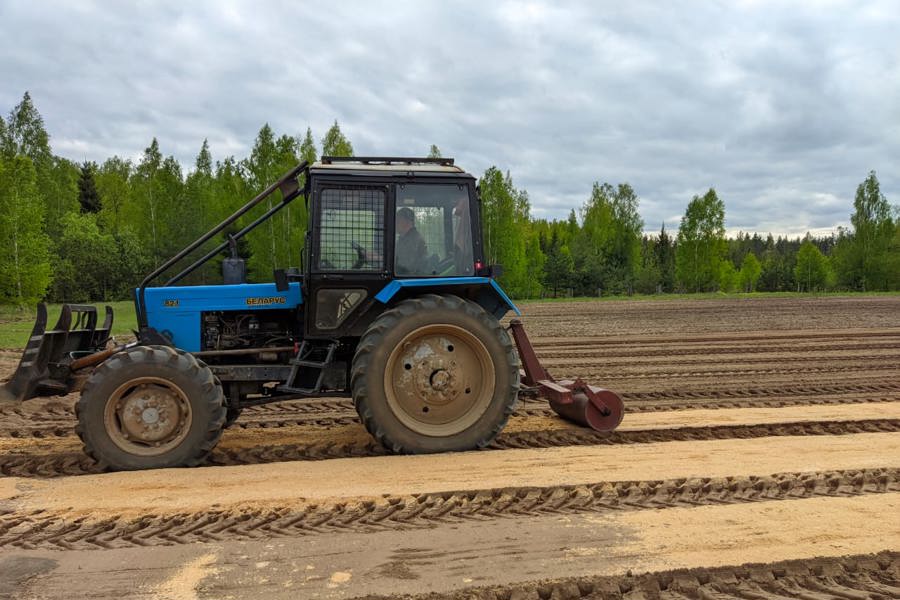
(43, 529)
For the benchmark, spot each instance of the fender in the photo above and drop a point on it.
(484, 291)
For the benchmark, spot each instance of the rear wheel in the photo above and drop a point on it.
(150, 407)
(435, 374)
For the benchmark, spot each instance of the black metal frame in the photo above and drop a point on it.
(290, 189)
(387, 160)
(317, 279)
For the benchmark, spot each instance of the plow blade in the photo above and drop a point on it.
(575, 401)
(48, 359)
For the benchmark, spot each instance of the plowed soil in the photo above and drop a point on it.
(759, 458)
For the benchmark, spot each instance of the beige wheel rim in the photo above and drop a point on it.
(439, 380)
(147, 416)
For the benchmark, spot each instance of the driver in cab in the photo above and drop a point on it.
(409, 249)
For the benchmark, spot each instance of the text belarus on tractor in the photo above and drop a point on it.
(393, 306)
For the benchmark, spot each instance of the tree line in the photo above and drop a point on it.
(603, 250)
(92, 231)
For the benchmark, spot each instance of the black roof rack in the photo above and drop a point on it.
(387, 160)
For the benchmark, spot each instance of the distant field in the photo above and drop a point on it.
(713, 295)
(16, 324)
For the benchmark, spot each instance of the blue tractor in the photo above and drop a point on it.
(394, 306)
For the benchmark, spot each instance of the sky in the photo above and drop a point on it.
(783, 108)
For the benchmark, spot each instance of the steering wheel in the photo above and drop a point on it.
(361, 255)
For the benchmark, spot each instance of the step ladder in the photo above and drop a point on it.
(310, 356)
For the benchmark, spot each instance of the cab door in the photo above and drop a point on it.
(348, 262)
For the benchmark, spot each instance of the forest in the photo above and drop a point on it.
(80, 232)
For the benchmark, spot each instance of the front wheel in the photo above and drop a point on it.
(150, 407)
(435, 374)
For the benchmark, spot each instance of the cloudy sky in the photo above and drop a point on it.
(782, 107)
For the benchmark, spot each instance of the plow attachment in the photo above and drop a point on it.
(51, 356)
(575, 401)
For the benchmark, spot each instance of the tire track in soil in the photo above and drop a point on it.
(593, 376)
(866, 577)
(766, 337)
(834, 361)
(337, 412)
(71, 463)
(681, 349)
(41, 529)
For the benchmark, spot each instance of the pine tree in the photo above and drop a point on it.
(434, 152)
(558, 266)
(664, 251)
(88, 196)
(335, 143)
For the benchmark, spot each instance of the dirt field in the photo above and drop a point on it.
(759, 458)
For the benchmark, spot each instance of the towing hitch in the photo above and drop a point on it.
(576, 401)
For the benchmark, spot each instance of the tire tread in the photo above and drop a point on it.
(372, 339)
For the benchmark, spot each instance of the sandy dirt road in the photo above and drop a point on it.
(759, 458)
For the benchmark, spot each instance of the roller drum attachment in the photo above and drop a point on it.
(597, 408)
(575, 401)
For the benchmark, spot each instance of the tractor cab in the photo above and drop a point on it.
(377, 221)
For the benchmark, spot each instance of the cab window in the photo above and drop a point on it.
(351, 229)
(432, 231)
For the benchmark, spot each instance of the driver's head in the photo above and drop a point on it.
(406, 219)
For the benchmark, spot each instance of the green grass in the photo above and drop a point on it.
(16, 324)
(708, 296)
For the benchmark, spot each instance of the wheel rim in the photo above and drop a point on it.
(148, 416)
(439, 380)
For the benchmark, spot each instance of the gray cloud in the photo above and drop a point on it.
(783, 108)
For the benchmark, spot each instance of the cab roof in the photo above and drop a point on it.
(388, 165)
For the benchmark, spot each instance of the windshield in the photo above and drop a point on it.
(433, 231)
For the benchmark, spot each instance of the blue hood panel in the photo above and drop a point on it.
(176, 311)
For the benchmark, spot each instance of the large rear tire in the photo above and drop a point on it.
(435, 374)
(150, 407)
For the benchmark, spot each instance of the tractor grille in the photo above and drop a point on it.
(351, 229)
